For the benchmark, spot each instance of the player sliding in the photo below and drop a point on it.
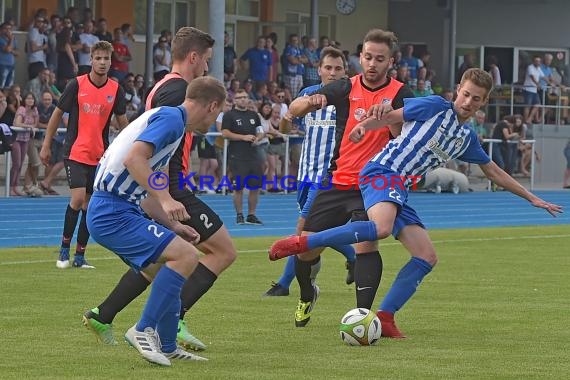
(433, 133)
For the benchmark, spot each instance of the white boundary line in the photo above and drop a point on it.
(503, 238)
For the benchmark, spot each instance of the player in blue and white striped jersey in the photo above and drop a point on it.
(318, 128)
(127, 180)
(317, 150)
(433, 132)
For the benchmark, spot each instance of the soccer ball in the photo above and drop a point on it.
(360, 327)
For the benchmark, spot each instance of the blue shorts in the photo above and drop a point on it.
(379, 184)
(120, 226)
(531, 98)
(306, 193)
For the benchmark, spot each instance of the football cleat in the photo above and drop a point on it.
(304, 309)
(389, 328)
(63, 259)
(276, 290)
(181, 354)
(187, 340)
(103, 331)
(292, 245)
(147, 344)
(80, 262)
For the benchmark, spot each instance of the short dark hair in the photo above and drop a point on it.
(188, 39)
(479, 78)
(330, 51)
(205, 90)
(382, 37)
(102, 45)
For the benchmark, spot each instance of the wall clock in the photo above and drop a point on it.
(345, 7)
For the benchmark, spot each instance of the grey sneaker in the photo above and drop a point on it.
(239, 219)
(252, 219)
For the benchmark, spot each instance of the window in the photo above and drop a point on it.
(168, 14)
(249, 8)
(10, 11)
(63, 5)
(304, 25)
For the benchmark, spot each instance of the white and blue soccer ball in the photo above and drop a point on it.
(360, 327)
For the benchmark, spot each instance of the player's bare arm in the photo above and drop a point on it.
(501, 178)
(394, 119)
(305, 104)
(137, 164)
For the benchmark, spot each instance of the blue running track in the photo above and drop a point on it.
(38, 221)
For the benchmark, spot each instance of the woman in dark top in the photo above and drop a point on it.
(66, 64)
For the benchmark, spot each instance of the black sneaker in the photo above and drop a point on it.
(239, 219)
(276, 290)
(350, 274)
(252, 219)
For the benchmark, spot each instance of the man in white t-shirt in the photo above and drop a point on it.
(530, 90)
(87, 39)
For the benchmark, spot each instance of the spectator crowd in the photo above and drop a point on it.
(58, 49)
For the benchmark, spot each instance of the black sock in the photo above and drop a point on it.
(130, 286)
(82, 233)
(195, 287)
(69, 224)
(303, 271)
(315, 269)
(367, 275)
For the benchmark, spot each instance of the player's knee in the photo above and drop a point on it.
(188, 262)
(382, 231)
(430, 257)
(228, 256)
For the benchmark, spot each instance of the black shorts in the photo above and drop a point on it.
(202, 218)
(246, 173)
(80, 175)
(335, 207)
(205, 150)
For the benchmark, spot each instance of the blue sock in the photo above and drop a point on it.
(167, 327)
(347, 251)
(405, 284)
(350, 233)
(288, 273)
(165, 291)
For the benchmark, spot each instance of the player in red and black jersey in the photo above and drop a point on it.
(90, 100)
(191, 50)
(340, 200)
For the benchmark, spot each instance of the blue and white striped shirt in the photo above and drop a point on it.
(431, 135)
(163, 127)
(319, 142)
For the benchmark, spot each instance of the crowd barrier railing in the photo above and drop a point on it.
(556, 98)
(8, 158)
(492, 143)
